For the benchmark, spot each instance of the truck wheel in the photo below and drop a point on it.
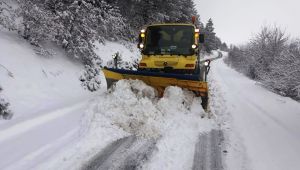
(204, 103)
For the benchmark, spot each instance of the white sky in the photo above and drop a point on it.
(237, 20)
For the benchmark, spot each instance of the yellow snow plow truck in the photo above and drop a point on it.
(170, 57)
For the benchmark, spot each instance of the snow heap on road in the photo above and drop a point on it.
(133, 108)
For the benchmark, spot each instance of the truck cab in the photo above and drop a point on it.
(170, 48)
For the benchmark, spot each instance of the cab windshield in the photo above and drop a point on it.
(169, 39)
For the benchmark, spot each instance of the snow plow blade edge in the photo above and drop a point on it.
(158, 80)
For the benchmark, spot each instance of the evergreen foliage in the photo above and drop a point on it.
(140, 13)
(7, 16)
(74, 25)
(5, 113)
(211, 41)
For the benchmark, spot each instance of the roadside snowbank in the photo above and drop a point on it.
(33, 83)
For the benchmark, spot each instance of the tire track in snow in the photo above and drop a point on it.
(32, 123)
(124, 154)
(208, 154)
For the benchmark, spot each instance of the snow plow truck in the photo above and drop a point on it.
(170, 57)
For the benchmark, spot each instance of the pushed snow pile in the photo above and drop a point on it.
(174, 120)
(134, 107)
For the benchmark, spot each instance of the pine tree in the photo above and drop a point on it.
(140, 13)
(210, 37)
(188, 10)
(36, 21)
(224, 47)
(73, 25)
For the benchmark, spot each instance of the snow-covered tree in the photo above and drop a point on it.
(7, 16)
(271, 58)
(211, 41)
(265, 47)
(284, 75)
(5, 113)
(73, 25)
(37, 22)
(90, 78)
(140, 13)
(224, 47)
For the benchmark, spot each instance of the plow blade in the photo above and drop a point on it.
(159, 80)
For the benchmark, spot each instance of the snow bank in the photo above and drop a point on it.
(34, 83)
(46, 98)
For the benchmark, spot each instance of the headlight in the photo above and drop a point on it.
(141, 45)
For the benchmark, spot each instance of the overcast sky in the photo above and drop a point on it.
(237, 20)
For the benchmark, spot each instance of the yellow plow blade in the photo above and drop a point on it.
(158, 80)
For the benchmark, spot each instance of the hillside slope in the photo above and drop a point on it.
(37, 82)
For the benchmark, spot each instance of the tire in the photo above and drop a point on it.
(204, 102)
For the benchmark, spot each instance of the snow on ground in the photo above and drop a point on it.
(47, 100)
(213, 55)
(128, 52)
(132, 108)
(262, 127)
(38, 83)
(58, 125)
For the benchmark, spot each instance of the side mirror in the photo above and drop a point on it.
(207, 68)
(201, 38)
(207, 63)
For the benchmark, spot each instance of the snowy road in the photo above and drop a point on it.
(260, 129)
(208, 151)
(128, 153)
(33, 140)
(263, 127)
(131, 153)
